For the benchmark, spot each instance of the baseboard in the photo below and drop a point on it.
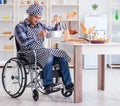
(114, 66)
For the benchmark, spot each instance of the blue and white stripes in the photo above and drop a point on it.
(34, 9)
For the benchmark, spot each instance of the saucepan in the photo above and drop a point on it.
(55, 34)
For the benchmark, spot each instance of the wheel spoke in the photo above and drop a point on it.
(14, 78)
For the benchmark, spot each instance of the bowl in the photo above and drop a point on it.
(97, 41)
(55, 34)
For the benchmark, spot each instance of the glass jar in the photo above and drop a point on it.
(5, 1)
(22, 1)
(28, 1)
(0, 1)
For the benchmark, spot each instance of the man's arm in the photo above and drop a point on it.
(57, 26)
(51, 28)
(21, 36)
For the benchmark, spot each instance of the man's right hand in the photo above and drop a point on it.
(42, 33)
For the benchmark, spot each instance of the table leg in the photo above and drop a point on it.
(77, 74)
(101, 72)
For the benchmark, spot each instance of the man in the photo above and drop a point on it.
(30, 36)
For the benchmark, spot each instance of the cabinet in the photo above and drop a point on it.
(100, 21)
(115, 20)
(14, 11)
(115, 30)
(7, 23)
(68, 11)
(22, 5)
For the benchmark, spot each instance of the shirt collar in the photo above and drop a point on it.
(27, 23)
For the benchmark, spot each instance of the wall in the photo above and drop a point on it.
(85, 7)
(103, 9)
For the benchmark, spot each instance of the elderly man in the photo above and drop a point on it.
(30, 36)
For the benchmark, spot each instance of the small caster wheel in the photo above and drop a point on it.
(35, 95)
(66, 93)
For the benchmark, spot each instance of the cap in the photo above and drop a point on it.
(34, 9)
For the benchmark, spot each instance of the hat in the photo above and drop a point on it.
(34, 9)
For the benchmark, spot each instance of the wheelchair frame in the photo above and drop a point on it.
(15, 71)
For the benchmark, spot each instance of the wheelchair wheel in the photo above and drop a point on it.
(66, 93)
(14, 77)
(35, 95)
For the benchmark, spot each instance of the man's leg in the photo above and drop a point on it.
(47, 77)
(65, 72)
(47, 71)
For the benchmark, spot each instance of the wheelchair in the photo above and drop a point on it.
(16, 72)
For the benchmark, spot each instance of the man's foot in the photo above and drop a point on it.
(69, 86)
(51, 88)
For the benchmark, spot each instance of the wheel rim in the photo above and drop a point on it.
(35, 95)
(66, 93)
(14, 77)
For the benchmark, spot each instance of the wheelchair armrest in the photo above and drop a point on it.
(28, 51)
(27, 59)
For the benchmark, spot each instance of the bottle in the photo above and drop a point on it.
(0, 1)
(5, 1)
(28, 1)
(22, 1)
(116, 15)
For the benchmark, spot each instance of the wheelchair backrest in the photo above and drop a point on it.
(25, 59)
(16, 43)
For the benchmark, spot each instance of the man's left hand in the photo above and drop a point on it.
(56, 19)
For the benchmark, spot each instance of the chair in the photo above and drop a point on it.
(16, 71)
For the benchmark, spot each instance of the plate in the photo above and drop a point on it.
(97, 41)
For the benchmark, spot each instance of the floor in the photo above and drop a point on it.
(91, 96)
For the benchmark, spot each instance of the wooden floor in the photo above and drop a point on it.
(91, 96)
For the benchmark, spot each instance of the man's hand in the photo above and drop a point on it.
(56, 19)
(42, 33)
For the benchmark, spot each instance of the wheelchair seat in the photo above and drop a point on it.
(15, 75)
(26, 59)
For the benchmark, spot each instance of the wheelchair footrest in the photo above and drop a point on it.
(52, 90)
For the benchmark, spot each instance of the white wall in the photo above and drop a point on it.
(103, 9)
(85, 7)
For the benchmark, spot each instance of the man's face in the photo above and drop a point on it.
(34, 19)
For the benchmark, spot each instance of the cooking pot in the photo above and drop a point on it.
(55, 34)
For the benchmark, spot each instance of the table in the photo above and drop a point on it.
(81, 49)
